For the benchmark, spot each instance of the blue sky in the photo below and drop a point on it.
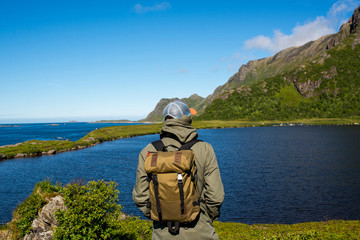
(92, 60)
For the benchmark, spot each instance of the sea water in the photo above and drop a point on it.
(270, 174)
(16, 133)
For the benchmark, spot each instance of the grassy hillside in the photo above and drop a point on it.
(323, 88)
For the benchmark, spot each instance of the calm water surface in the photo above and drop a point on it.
(16, 133)
(270, 174)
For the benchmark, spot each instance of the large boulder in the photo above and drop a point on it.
(44, 224)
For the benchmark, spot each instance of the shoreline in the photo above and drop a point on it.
(36, 148)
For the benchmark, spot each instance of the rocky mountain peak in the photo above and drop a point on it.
(354, 21)
(293, 57)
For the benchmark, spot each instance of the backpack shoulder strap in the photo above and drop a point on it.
(189, 145)
(159, 146)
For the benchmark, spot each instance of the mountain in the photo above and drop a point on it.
(194, 101)
(318, 79)
(290, 58)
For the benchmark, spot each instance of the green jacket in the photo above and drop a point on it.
(208, 182)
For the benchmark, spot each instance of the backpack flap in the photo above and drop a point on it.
(167, 162)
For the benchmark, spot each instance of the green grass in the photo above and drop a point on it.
(117, 132)
(337, 229)
(259, 123)
(35, 148)
(288, 96)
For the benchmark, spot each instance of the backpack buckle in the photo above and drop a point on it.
(173, 227)
(179, 177)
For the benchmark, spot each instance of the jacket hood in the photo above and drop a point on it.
(180, 129)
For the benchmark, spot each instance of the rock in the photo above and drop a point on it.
(9, 146)
(307, 88)
(47, 213)
(43, 225)
(5, 235)
(355, 20)
(20, 155)
(89, 139)
(52, 151)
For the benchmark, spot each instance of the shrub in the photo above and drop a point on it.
(92, 211)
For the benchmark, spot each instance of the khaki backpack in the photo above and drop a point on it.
(173, 196)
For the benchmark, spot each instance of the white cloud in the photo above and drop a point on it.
(302, 34)
(140, 9)
(339, 10)
(260, 41)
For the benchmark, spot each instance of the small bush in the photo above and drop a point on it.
(92, 211)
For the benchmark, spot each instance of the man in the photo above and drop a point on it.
(175, 132)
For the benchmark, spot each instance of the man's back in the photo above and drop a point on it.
(176, 132)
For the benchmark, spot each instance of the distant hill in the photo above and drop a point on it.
(194, 101)
(319, 79)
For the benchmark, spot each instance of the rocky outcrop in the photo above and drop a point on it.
(306, 87)
(354, 21)
(44, 224)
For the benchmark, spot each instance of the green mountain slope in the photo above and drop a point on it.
(318, 79)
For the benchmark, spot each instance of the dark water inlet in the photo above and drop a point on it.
(270, 174)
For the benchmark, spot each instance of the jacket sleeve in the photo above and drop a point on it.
(213, 187)
(141, 188)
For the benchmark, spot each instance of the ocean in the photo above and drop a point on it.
(270, 174)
